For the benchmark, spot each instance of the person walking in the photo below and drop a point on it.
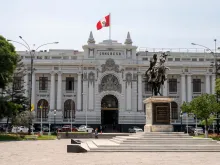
(100, 128)
(96, 133)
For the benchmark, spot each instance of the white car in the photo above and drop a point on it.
(83, 128)
(199, 131)
(135, 129)
(19, 129)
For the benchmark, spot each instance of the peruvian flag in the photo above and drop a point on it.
(104, 22)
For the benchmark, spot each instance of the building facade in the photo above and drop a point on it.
(105, 83)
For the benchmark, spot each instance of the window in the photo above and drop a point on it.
(174, 108)
(196, 85)
(170, 59)
(145, 59)
(201, 59)
(43, 83)
(17, 83)
(69, 83)
(172, 85)
(194, 59)
(177, 59)
(148, 87)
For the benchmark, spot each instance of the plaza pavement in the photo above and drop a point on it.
(54, 152)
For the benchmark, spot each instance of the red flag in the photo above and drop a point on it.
(104, 22)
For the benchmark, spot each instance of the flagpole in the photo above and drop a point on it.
(109, 26)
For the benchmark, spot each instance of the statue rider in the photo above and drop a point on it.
(149, 72)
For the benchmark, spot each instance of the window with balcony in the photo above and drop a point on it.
(43, 83)
(69, 83)
(17, 83)
(172, 85)
(197, 85)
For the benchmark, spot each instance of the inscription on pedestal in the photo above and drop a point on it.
(162, 114)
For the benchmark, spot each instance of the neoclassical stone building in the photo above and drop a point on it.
(105, 83)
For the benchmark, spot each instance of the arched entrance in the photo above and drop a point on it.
(69, 106)
(42, 106)
(109, 113)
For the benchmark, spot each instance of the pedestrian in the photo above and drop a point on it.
(96, 133)
(100, 128)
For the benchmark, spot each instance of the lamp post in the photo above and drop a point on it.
(71, 120)
(217, 68)
(85, 107)
(32, 54)
(54, 114)
(181, 119)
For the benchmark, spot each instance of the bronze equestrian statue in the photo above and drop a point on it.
(156, 73)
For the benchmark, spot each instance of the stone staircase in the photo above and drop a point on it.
(153, 142)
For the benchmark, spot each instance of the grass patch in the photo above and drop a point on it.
(47, 137)
(10, 137)
(74, 133)
(18, 137)
(213, 136)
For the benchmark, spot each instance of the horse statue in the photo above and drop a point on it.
(156, 73)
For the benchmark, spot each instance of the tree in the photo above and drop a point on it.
(8, 61)
(23, 118)
(16, 89)
(217, 86)
(203, 107)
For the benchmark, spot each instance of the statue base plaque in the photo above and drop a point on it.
(158, 114)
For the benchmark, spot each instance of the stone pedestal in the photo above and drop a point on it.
(158, 114)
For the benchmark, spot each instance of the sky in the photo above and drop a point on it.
(151, 23)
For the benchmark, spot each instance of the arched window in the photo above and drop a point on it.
(174, 108)
(69, 106)
(42, 106)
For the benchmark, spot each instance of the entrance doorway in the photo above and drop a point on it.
(109, 113)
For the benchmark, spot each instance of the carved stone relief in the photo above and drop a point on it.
(110, 83)
(110, 66)
(91, 77)
(128, 78)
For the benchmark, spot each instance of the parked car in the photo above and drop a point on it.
(135, 129)
(67, 128)
(84, 128)
(190, 129)
(199, 131)
(19, 129)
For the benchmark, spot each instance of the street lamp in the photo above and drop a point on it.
(217, 68)
(181, 117)
(85, 107)
(54, 114)
(32, 54)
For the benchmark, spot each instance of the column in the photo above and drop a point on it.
(52, 91)
(91, 91)
(165, 92)
(183, 87)
(189, 88)
(140, 99)
(85, 91)
(79, 92)
(213, 84)
(207, 84)
(128, 96)
(33, 88)
(59, 91)
(26, 85)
